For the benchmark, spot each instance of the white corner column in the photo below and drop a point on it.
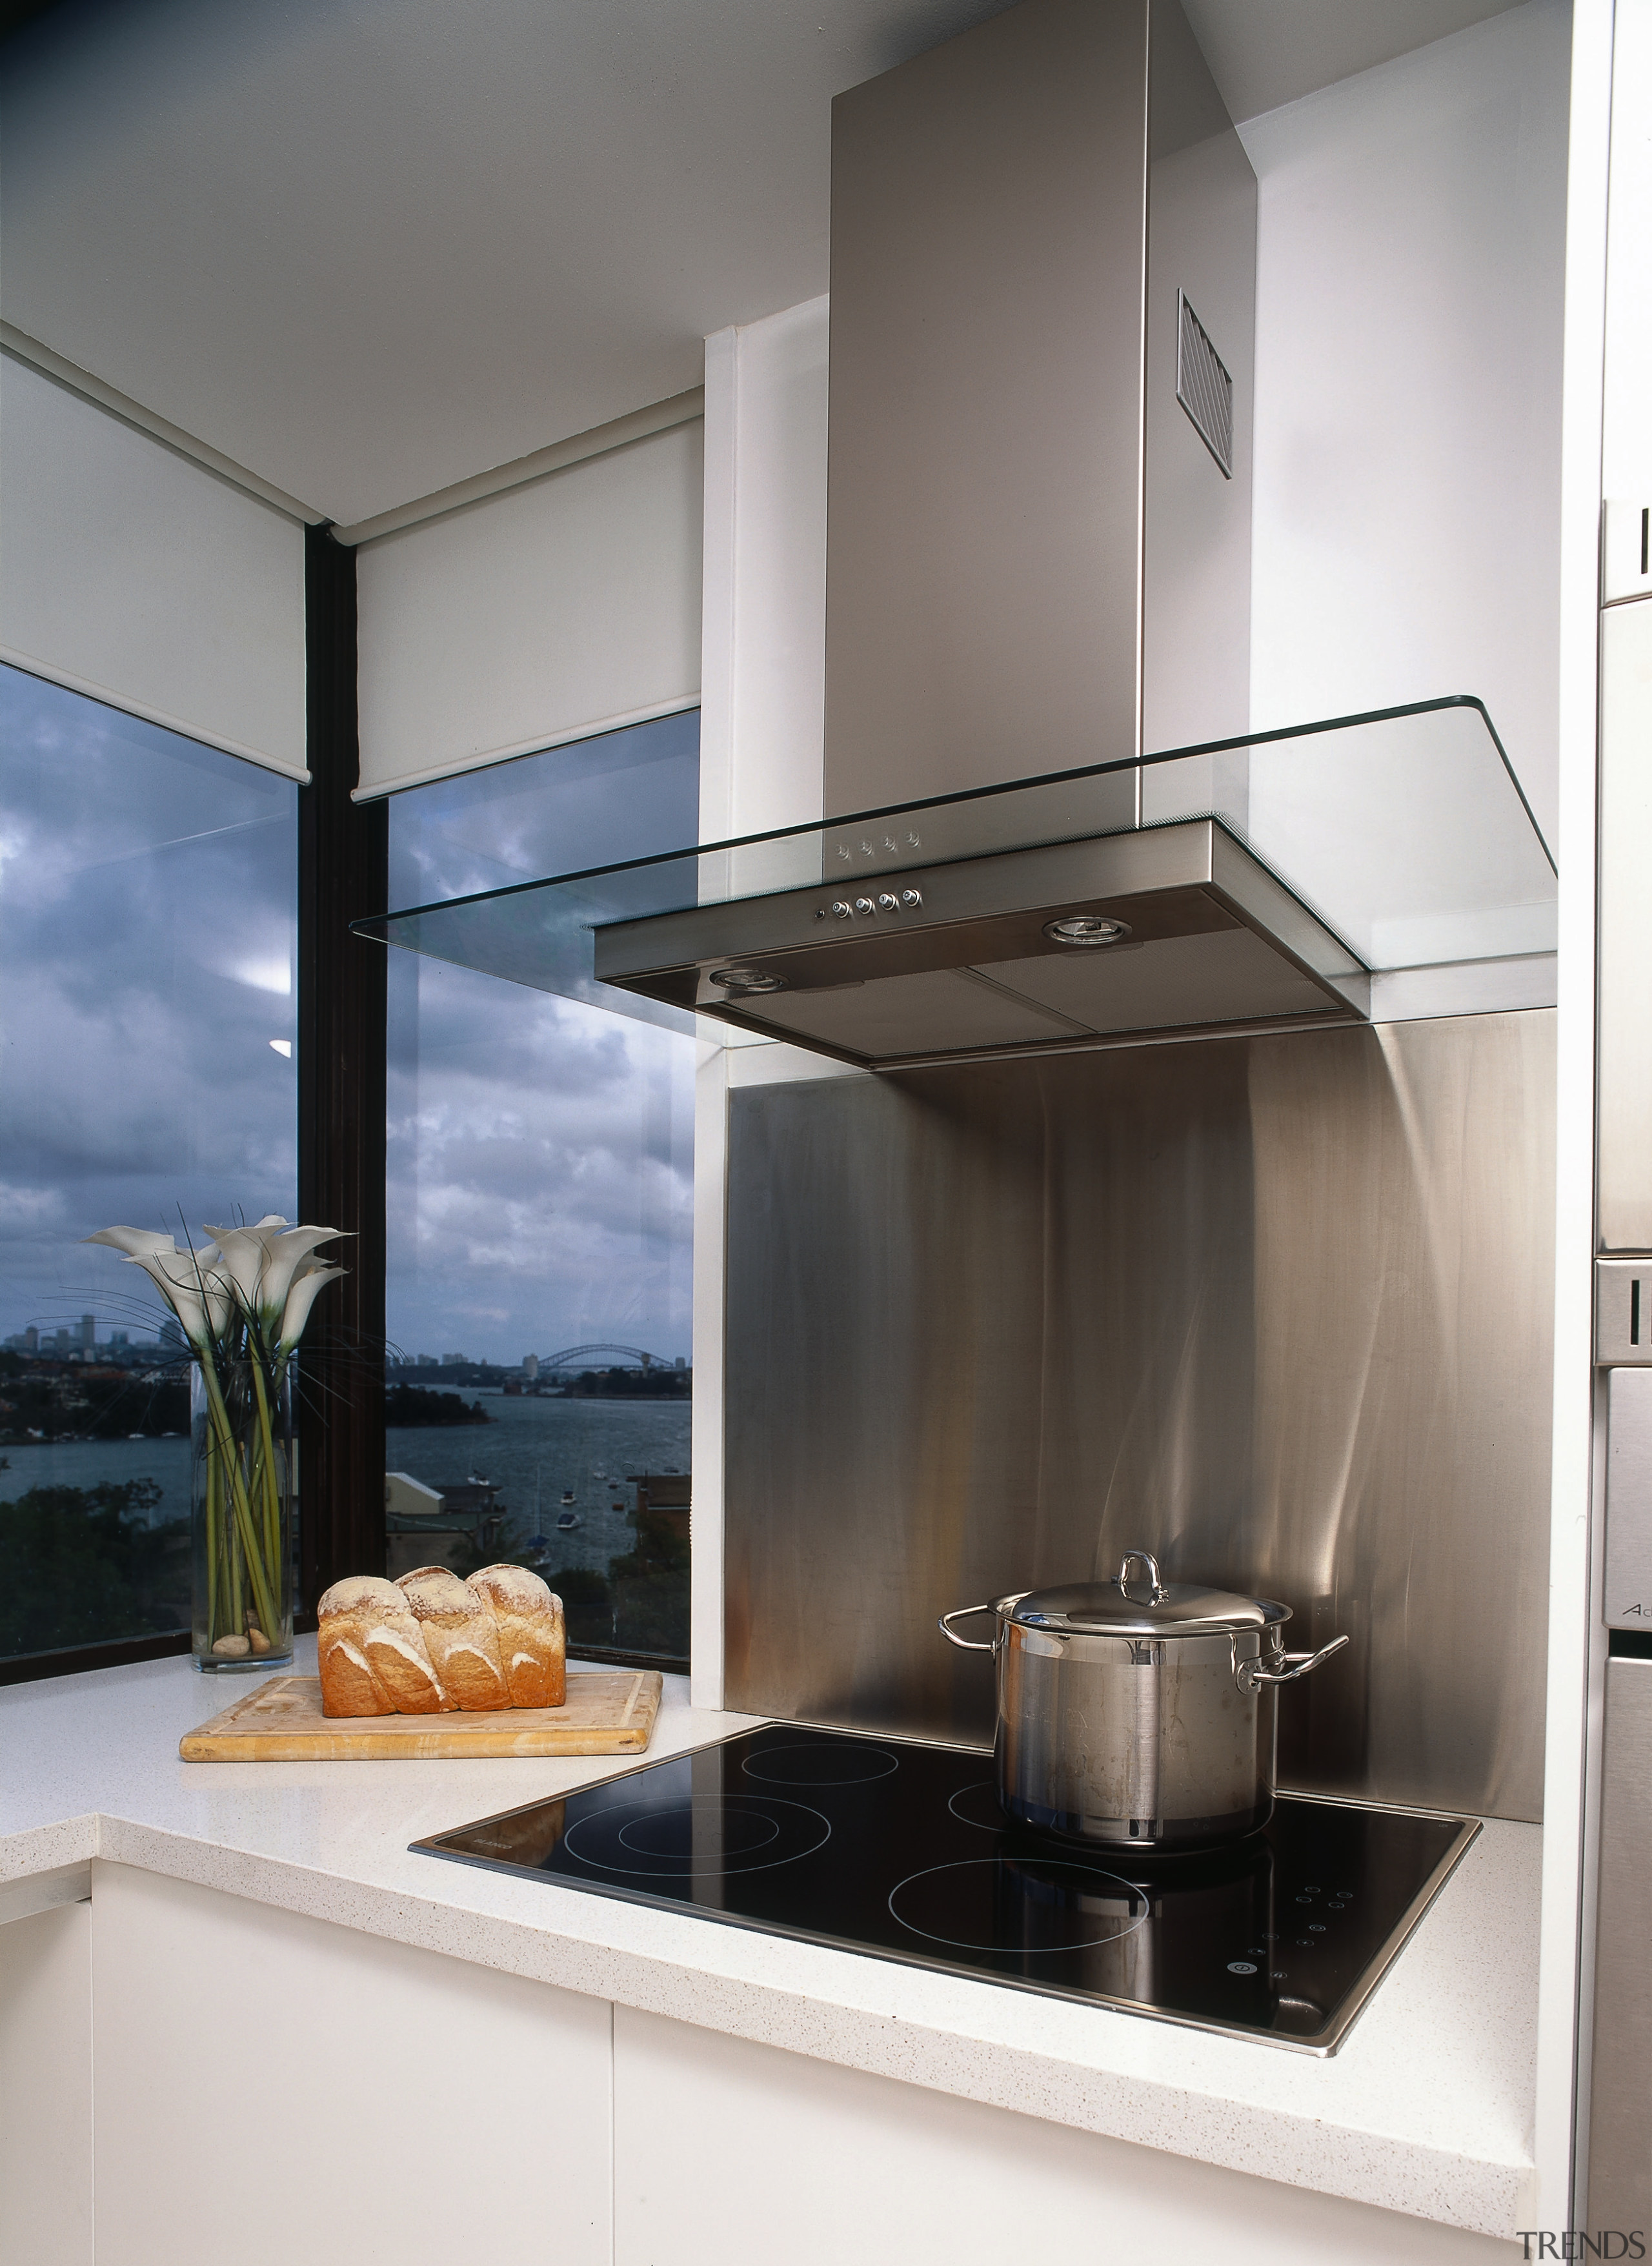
(763, 678)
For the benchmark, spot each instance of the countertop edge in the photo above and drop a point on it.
(1477, 2194)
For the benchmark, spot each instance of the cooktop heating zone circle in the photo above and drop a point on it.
(820, 1762)
(979, 1805)
(999, 1903)
(697, 1838)
(672, 1832)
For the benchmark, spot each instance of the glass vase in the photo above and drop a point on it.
(240, 1507)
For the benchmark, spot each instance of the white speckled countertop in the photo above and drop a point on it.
(1426, 2108)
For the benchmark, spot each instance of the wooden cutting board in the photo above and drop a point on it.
(609, 1711)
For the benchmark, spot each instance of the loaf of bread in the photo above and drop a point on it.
(431, 1642)
(460, 1636)
(378, 1649)
(532, 1646)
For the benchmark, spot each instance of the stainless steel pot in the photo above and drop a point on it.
(1138, 1718)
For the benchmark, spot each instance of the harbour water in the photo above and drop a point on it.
(534, 1450)
(537, 1451)
(87, 1463)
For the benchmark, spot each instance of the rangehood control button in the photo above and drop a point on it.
(911, 897)
(865, 905)
(840, 911)
(888, 905)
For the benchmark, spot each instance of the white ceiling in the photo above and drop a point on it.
(367, 248)
(1265, 53)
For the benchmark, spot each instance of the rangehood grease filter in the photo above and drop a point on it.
(1204, 934)
(1043, 270)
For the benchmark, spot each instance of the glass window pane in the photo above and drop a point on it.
(540, 1217)
(147, 932)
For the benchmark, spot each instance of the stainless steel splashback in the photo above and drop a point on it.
(1276, 1307)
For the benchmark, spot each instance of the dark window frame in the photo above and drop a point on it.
(343, 869)
(343, 876)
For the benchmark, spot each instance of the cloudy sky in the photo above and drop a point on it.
(146, 936)
(541, 1151)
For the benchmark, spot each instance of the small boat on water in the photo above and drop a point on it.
(567, 1498)
(567, 1523)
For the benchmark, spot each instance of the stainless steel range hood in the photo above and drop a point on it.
(1177, 927)
(1042, 291)
(1043, 283)
(1038, 533)
(1383, 864)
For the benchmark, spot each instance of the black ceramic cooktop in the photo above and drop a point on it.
(886, 1847)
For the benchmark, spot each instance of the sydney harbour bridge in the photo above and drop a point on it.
(607, 1357)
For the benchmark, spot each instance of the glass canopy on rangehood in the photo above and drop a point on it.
(1261, 880)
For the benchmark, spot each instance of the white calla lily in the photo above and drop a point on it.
(132, 1240)
(300, 1296)
(263, 1260)
(265, 1275)
(200, 1295)
(245, 1250)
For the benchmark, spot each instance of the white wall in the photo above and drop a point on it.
(564, 607)
(131, 573)
(1408, 336)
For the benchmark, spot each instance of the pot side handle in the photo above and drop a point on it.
(964, 1643)
(1252, 1673)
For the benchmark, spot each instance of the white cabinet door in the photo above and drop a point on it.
(46, 2089)
(269, 2088)
(731, 2154)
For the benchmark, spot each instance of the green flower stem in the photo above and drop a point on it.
(271, 1502)
(212, 1553)
(243, 1527)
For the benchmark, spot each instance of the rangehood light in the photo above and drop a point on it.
(740, 982)
(1085, 929)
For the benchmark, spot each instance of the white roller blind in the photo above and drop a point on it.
(565, 606)
(132, 573)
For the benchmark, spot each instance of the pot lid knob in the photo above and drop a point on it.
(1141, 1558)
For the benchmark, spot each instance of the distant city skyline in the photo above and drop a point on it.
(81, 1336)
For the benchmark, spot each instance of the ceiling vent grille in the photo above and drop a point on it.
(1203, 387)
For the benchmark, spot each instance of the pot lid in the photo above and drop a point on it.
(1137, 1602)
